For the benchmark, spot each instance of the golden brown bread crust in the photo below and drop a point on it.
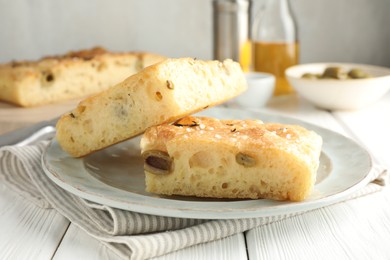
(69, 76)
(87, 54)
(160, 93)
(233, 159)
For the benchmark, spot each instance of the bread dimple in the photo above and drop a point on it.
(160, 93)
(69, 76)
(234, 159)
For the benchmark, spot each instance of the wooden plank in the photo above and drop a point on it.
(10, 126)
(79, 245)
(371, 126)
(27, 231)
(359, 229)
(13, 117)
(12, 113)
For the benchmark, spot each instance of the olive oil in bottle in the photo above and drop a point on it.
(275, 58)
(275, 43)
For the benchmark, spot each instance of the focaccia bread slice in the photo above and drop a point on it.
(70, 76)
(207, 157)
(160, 93)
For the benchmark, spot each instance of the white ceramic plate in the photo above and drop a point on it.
(114, 177)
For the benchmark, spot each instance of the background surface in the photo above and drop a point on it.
(329, 30)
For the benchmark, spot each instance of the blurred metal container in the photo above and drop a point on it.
(231, 20)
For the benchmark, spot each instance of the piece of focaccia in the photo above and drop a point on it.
(160, 93)
(70, 76)
(206, 157)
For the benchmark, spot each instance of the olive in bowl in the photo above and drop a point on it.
(339, 86)
(338, 73)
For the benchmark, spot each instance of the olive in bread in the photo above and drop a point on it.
(207, 157)
(160, 93)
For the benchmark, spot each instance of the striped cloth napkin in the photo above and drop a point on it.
(130, 235)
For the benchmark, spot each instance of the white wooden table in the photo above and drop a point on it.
(357, 229)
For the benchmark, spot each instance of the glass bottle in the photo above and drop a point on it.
(275, 42)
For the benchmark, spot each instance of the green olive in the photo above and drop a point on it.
(358, 74)
(310, 76)
(338, 73)
(334, 73)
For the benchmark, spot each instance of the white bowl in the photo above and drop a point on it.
(260, 90)
(333, 94)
